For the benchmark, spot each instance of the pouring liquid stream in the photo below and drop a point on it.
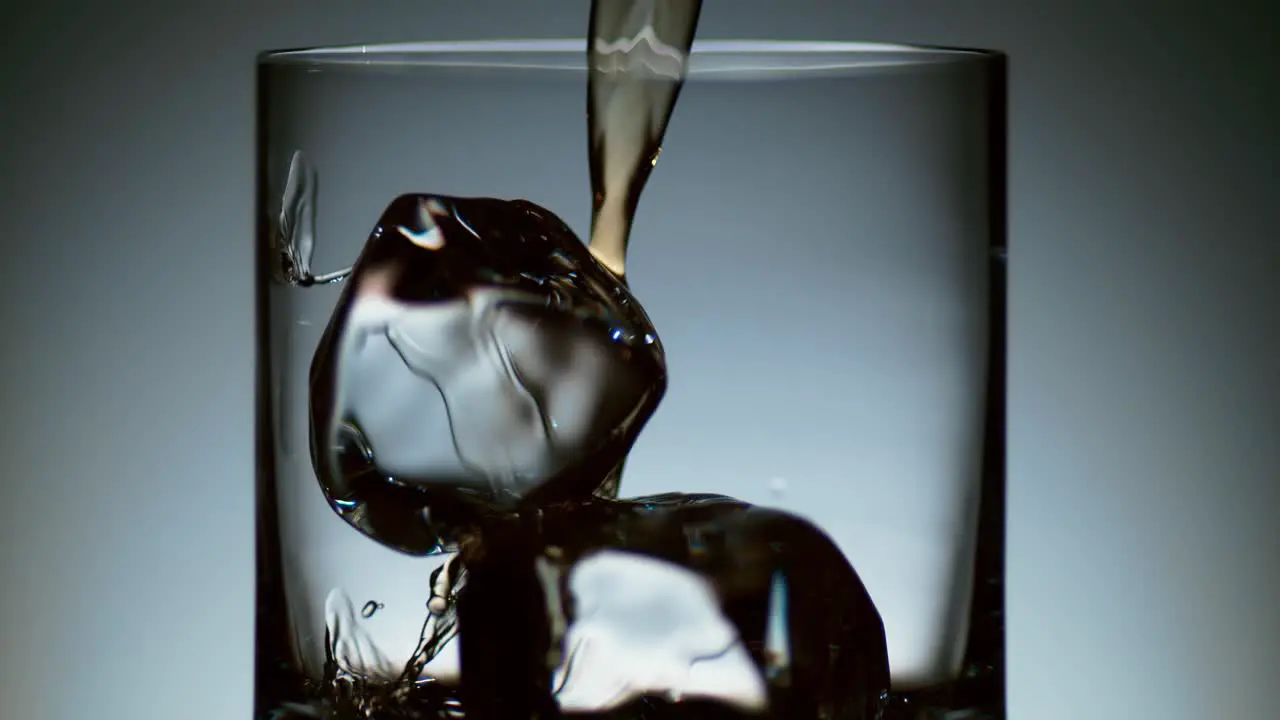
(637, 59)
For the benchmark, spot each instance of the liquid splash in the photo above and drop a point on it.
(293, 236)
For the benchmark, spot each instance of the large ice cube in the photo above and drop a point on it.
(479, 357)
(668, 606)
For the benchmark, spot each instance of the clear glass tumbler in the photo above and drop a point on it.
(821, 249)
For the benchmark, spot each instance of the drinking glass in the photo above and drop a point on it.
(821, 249)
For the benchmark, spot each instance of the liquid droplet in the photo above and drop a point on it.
(370, 608)
(443, 585)
(778, 487)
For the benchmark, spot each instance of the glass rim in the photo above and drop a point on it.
(707, 57)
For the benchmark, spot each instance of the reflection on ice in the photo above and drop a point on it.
(644, 626)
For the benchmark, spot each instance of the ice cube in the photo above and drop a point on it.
(479, 358)
(667, 606)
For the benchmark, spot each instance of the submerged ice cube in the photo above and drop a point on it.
(479, 358)
(670, 606)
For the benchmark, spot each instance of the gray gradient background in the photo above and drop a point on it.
(1144, 157)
